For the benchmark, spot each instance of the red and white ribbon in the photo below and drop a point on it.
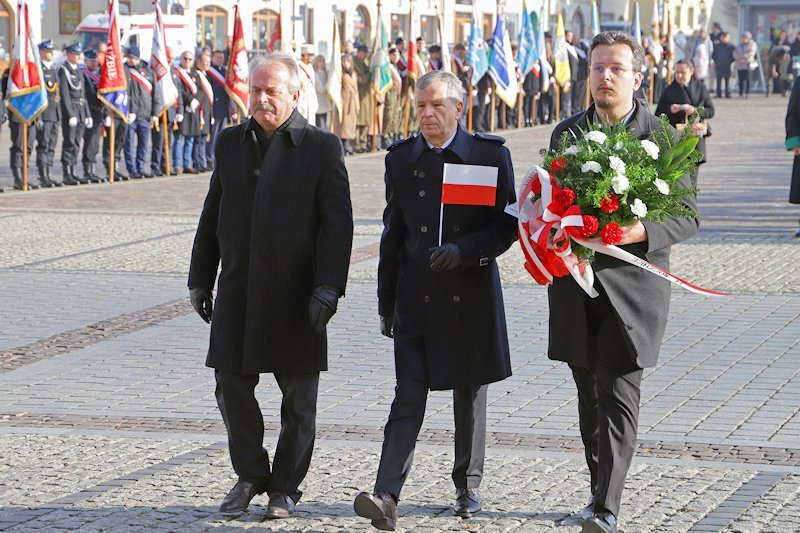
(545, 240)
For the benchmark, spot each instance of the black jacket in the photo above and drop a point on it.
(143, 100)
(280, 227)
(73, 95)
(695, 94)
(53, 111)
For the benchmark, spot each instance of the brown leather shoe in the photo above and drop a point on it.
(468, 502)
(190, 170)
(280, 506)
(379, 507)
(239, 497)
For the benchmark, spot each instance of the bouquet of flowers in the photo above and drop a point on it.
(588, 188)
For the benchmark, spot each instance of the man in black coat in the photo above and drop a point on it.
(278, 217)
(143, 112)
(205, 95)
(793, 142)
(75, 114)
(439, 291)
(722, 56)
(683, 97)
(91, 136)
(222, 102)
(608, 340)
(50, 120)
(187, 115)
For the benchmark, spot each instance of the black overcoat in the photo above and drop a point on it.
(640, 299)
(793, 139)
(280, 228)
(695, 94)
(458, 314)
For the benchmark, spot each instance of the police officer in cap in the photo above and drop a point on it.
(91, 137)
(50, 120)
(75, 116)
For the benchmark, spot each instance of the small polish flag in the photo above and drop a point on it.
(469, 185)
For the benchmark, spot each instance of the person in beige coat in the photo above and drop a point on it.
(346, 128)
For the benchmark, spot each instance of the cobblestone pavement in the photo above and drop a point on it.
(107, 415)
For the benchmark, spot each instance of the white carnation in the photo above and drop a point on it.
(639, 208)
(661, 185)
(617, 164)
(592, 166)
(596, 136)
(620, 184)
(651, 148)
(572, 150)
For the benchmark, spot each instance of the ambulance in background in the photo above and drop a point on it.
(137, 30)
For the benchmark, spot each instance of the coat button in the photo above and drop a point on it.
(426, 299)
(456, 228)
(424, 229)
(421, 174)
(415, 172)
(257, 172)
(456, 298)
(422, 193)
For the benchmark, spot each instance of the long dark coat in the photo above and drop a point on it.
(640, 299)
(793, 139)
(459, 313)
(697, 95)
(190, 126)
(280, 227)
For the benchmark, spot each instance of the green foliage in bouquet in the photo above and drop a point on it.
(617, 178)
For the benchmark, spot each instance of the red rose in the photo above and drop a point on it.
(557, 165)
(565, 197)
(611, 234)
(589, 226)
(609, 204)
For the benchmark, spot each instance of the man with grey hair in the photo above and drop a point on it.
(278, 217)
(439, 294)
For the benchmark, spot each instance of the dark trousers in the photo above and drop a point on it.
(138, 134)
(15, 151)
(245, 424)
(402, 429)
(91, 138)
(723, 78)
(220, 123)
(157, 163)
(46, 140)
(608, 405)
(578, 96)
(199, 152)
(120, 134)
(744, 82)
(72, 141)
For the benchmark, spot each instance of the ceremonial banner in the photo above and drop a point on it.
(334, 85)
(527, 54)
(560, 55)
(381, 71)
(595, 19)
(26, 95)
(501, 65)
(477, 57)
(637, 26)
(159, 64)
(237, 79)
(112, 89)
(544, 66)
(446, 60)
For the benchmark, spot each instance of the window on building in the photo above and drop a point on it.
(462, 27)
(308, 25)
(69, 16)
(427, 29)
(7, 33)
(212, 27)
(361, 26)
(264, 22)
(488, 25)
(398, 26)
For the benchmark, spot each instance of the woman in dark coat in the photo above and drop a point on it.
(793, 142)
(683, 97)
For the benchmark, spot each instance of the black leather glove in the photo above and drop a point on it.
(386, 326)
(201, 301)
(322, 306)
(446, 257)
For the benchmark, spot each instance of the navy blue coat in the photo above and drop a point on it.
(449, 327)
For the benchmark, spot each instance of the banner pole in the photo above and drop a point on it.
(469, 109)
(519, 109)
(165, 128)
(492, 107)
(375, 118)
(24, 156)
(558, 103)
(111, 150)
(406, 110)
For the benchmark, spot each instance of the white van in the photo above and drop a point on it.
(137, 30)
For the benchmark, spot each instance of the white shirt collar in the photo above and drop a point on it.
(446, 143)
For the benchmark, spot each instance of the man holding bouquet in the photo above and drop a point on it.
(608, 340)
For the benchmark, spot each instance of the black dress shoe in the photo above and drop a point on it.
(240, 495)
(588, 511)
(280, 506)
(468, 502)
(600, 523)
(379, 507)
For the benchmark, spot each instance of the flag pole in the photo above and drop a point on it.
(112, 151)
(469, 101)
(24, 156)
(558, 102)
(441, 221)
(374, 120)
(406, 109)
(165, 129)
(492, 107)
(519, 107)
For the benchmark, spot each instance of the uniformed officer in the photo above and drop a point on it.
(49, 121)
(75, 116)
(91, 136)
(143, 108)
(15, 151)
(440, 298)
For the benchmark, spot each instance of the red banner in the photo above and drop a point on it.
(112, 86)
(237, 80)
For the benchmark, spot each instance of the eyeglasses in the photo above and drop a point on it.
(616, 70)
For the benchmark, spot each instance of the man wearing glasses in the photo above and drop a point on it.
(608, 340)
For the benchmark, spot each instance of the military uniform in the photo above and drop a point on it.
(49, 122)
(15, 151)
(91, 136)
(75, 116)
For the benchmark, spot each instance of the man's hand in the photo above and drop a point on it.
(153, 120)
(674, 108)
(178, 118)
(633, 233)
(88, 122)
(386, 326)
(322, 306)
(796, 150)
(446, 257)
(72, 122)
(201, 301)
(131, 118)
(194, 104)
(107, 122)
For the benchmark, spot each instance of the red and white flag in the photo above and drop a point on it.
(237, 79)
(159, 64)
(469, 185)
